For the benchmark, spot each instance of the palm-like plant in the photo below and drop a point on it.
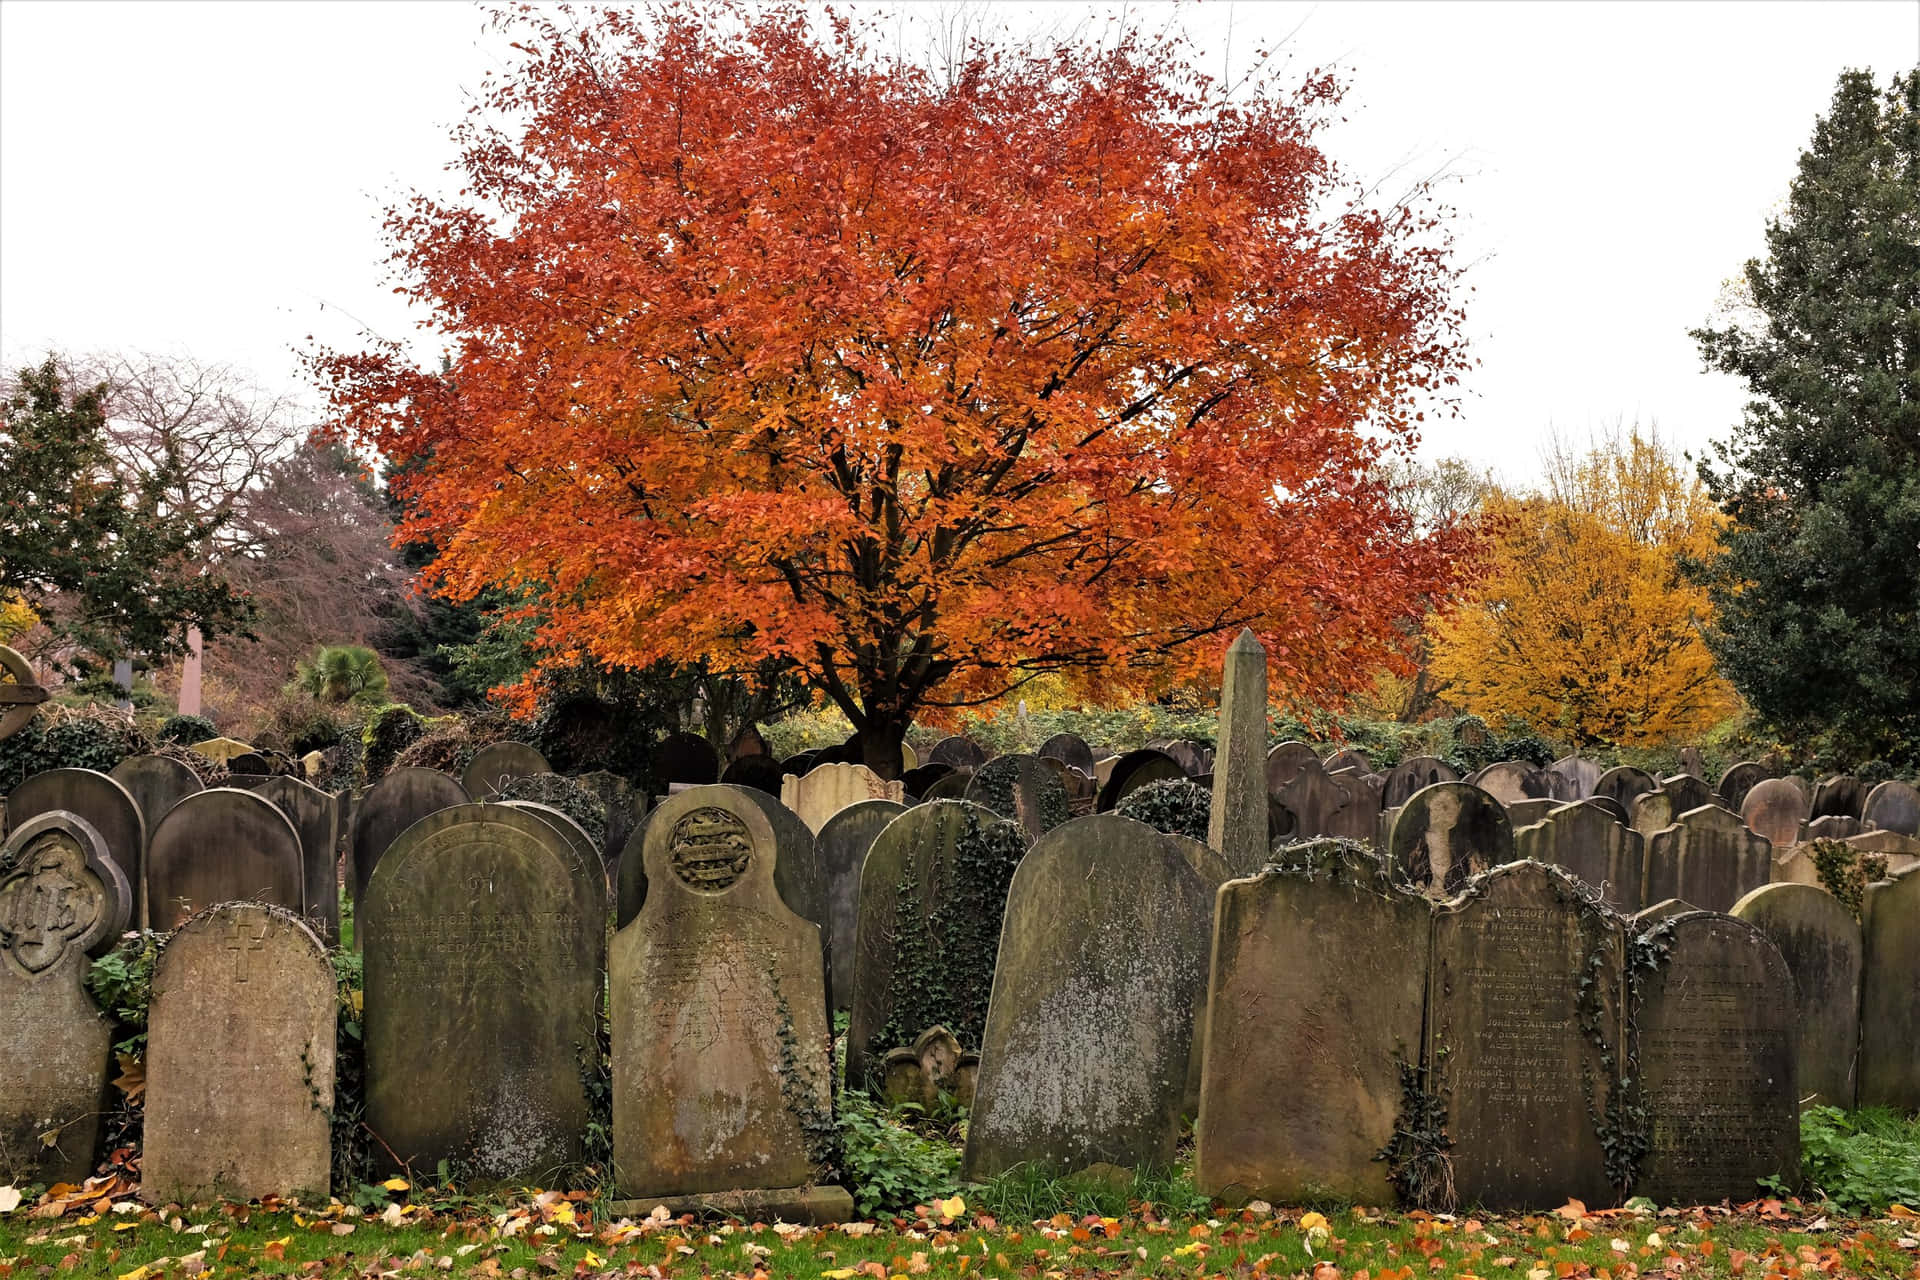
(342, 673)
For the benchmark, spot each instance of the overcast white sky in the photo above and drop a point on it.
(208, 177)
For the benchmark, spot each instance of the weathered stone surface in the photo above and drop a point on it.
(797, 875)
(1082, 791)
(684, 760)
(1346, 758)
(1511, 781)
(1835, 826)
(1654, 811)
(486, 938)
(1890, 994)
(1707, 857)
(1584, 840)
(1574, 778)
(1359, 818)
(498, 763)
(315, 815)
(1526, 1027)
(1893, 806)
(1902, 851)
(565, 827)
(1070, 749)
(1285, 759)
(222, 845)
(932, 892)
(1841, 795)
(1301, 1084)
(1413, 775)
(1774, 808)
(1446, 833)
(105, 805)
(1715, 1021)
(1738, 780)
(1665, 909)
(952, 787)
(1135, 770)
(1024, 789)
(722, 1068)
(1312, 801)
(1103, 955)
(388, 808)
(1820, 941)
(1694, 765)
(762, 773)
(1622, 783)
(61, 895)
(1688, 792)
(1195, 758)
(240, 1041)
(1524, 813)
(1237, 825)
(826, 789)
(961, 753)
(156, 783)
(626, 806)
(843, 844)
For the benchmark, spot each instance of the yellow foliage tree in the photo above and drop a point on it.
(1584, 621)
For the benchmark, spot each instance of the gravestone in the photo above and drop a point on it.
(315, 815)
(1360, 817)
(1574, 778)
(240, 1043)
(1524, 813)
(1842, 795)
(843, 844)
(1526, 1027)
(1665, 909)
(762, 773)
(960, 753)
(1285, 760)
(797, 873)
(1511, 781)
(1311, 802)
(565, 827)
(1715, 1020)
(1688, 792)
(1622, 783)
(1775, 808)
(1134, 770)
(1820, 941)
(61, 896)
(1301, 1085)
(1413, 775)
(1893, 806)
(1070, 749)
(1194, 758)
(485, 950)
(933, 889)
(222, 845)
(498, 763)
(1082, 791)
(828, 788)
(156, 783)
(1890, 994)
(1738, 780)
(1237, 821)
(1694, 765)
(1902, 851)
(626, 807)
(1023, 789)
(1614, 809)
(916, 781)
(1835, 826)
(1103, 956)
(1583, 840)
(388, 808)
(1346, 758)
(1708, 857)
(685, 760)
(1794, 866)
(722, 1066)
(1446, 833)
(952, 787)
(797, 765)
(1654, 811)
(105, 805)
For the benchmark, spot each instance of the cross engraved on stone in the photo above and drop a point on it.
(242, 941)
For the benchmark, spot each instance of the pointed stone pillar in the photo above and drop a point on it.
(1238, 827)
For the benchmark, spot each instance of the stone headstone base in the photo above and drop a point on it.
(814, 1206)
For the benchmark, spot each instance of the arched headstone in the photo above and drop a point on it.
(1893, 806)
(1707, 858)
(828, 788)
(843, 844)
(1585, 841)
(760, 772)
(961, 753)
(1774, 808)
(106, 806)
(1311, 802)
(1135, 770)
(1511, 781)
(1622, 783)
(389, 807)
(566, 828)
(1346, 758)
(315, 814)
(685, 760)
(223, 845)
(1070, 749)
(1447, 833)
(1195, 758)
(1285, 759)
(1840, 796)
(1738, 780)
(1820, 941)
(1024, 789)
(1413, 775)
(498, 763)
(1574, 778)
(156, 783)
(952, 787)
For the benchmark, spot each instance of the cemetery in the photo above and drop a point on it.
(905, 691)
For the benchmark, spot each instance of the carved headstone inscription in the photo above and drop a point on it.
(221, 845)
(722, 1075)
(60, 895)
(485, 945)
(1446, 833)
(498, 763)
(1526, 1027)
(389, 807)
(826, 789)
(1024, 789)
(933, 889)
(843, 844)
(1301, 1085)
(1088, 1038)
(104, 804)
(1890, 995)
(1708, 858)
(240, 1043)
(1413, 775)
(1716, 1060)
(797, 873)
(1584, 840)
(1820, 941)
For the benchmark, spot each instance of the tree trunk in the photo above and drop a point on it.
(880, 738)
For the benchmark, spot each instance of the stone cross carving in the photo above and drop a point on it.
(243, 940)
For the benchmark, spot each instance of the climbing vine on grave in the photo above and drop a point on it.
(1418, 1159)
(1176, 806)
(800, 1083)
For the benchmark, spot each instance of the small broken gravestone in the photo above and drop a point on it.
(105, 805)
(1526, 1030)
(1707, 857)
(1103, 955)
(240, 1042)
(1584, 840)
(1301, 1086)
(934, 1064)
(389, 807)
(722, 1066)
(61, 894)
(826, 789)
(498, 763)
(843, 844)
(1024, 789)
(485, 951)
(221, 845)
(1715, 1019)
(1774, 808)
(1820, 941)
(1446, 833)
(1890, 994)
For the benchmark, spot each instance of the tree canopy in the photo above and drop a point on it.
(764, 347)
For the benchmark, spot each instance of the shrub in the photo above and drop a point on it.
(1176, 806)
(84, 737)
(1845, 872)
(1861, 1161)
(888, 1165)
(390, 730)
(186, 730)
(569, 797)
(299, 724)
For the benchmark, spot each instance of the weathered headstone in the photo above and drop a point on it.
(498, 763)
(565, 827)
(221, 845)
(1135, 770)
(486, 937)
(105, 805)
(1583, 839)
(1511, 781)
(1893, 806)
(1311, 801)
(843, 844)
(1707, 857)
(1820, 941)
(1526, 1030)
(1082, 791)
(1574, 778)
(797, 872)
(1346, 758)
(685, 760)
(1654, 811)
(933, 888)
(961, 753)
(1302, 1081)
(1622, 783)
(315, 815)
(1413, 775)
(1023, 789)
(1070, 749)
(1665, 909)
(1835, 826)
(1738, 780)
(1195, 758)
(1524, 813)
(1688, 792)
(240, 1042)
(1103, 955)
(388, 808)
(61, 895)
(1285, 760)
(722, 1069)
(1841, 795)
(1694, 765)
(952, 787)
(1774, 808)
(156, 783)
(1446, 833)
(762, 773)
(1902, 851)
(1793, 866)
(1890, 994)
(1237, 825)
(828, 788)
(1715, 1021)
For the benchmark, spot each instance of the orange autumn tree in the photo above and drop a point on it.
(762, 345)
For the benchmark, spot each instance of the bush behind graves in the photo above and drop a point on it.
(389, 731)
(1177, 807)
(563, 793)
(59, 737)
(889, 1165)
(1862, 1161)
(186, 730)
